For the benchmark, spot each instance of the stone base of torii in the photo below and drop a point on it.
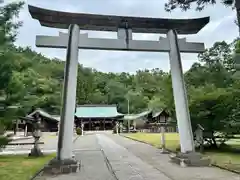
(190, 159)
(124, 26)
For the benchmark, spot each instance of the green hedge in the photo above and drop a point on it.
(3, 142)
(79, 131)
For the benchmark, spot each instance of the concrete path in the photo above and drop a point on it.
(153, 157)
(112, 157)
(50, 145)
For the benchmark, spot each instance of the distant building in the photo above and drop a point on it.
(149, 121)
(161, 117)
(97, 117)
(49, 123)
(138, 120)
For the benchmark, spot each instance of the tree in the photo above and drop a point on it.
(8, 32)
(220, 53)
(200, 4)
(8, 28)
(213, 108)
(116, 94)
(236, 59)
(137, 102)
(164, 97)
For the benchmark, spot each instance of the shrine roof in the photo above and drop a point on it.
(96, 22)
(44, 114)
(137, 116)
(97, 111)
(163, 111)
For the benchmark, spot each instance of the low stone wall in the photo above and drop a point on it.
(156, 130)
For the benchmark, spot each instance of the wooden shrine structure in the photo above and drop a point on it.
(97, 117)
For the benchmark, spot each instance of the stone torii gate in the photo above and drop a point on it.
(124, 26)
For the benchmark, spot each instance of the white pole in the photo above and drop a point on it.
(25, 133)
(163, 137)
(180, 95)
(128, 119)
(82, 126)
(65, 138)
(117, 125)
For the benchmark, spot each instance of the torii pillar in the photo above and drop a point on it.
(124, 26)
(66, 130)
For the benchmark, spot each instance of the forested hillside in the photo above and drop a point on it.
(29, 79)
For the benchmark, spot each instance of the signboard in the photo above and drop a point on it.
(163, 119)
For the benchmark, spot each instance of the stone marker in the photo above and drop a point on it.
(199, 137)
(163, 142)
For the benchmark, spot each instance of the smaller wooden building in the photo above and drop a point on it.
(137, 121)
(49, 123)
(159, 118)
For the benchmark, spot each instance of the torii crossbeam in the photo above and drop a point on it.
(124, 26)
(120, 44)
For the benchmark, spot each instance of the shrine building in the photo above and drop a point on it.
(97, 117)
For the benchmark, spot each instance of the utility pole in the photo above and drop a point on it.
(128, 114)
(237, 6)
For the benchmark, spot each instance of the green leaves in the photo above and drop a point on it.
(201, 4)
(7, 26)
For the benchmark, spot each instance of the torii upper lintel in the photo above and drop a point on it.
(58, 19)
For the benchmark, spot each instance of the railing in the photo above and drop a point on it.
(157, 130)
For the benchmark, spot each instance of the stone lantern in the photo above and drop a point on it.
(117, 127)
(82, 127)
(163, 118)
(36, 151)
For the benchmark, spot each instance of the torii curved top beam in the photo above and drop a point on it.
(57, 19)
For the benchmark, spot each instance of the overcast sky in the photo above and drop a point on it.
(221, 27)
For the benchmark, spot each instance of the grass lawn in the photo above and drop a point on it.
(21, 167)
(224, 159)
(172, 139)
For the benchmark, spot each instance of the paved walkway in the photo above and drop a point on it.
(50, 145)
(112, 157)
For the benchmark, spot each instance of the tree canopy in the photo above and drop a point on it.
(201, 4)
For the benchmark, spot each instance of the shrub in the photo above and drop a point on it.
(79, 131)
(114, 130)
(10, 135)
(2, 129)
(178, 148)
(3, 142)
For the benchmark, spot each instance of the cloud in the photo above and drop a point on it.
(222, 21)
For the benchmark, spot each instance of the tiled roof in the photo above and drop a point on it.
(44, 114)
(137, 116)
(97, 111)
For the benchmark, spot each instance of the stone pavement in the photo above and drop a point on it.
(112, 157)
(153, 157)
(50, 144)
(94, 165)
